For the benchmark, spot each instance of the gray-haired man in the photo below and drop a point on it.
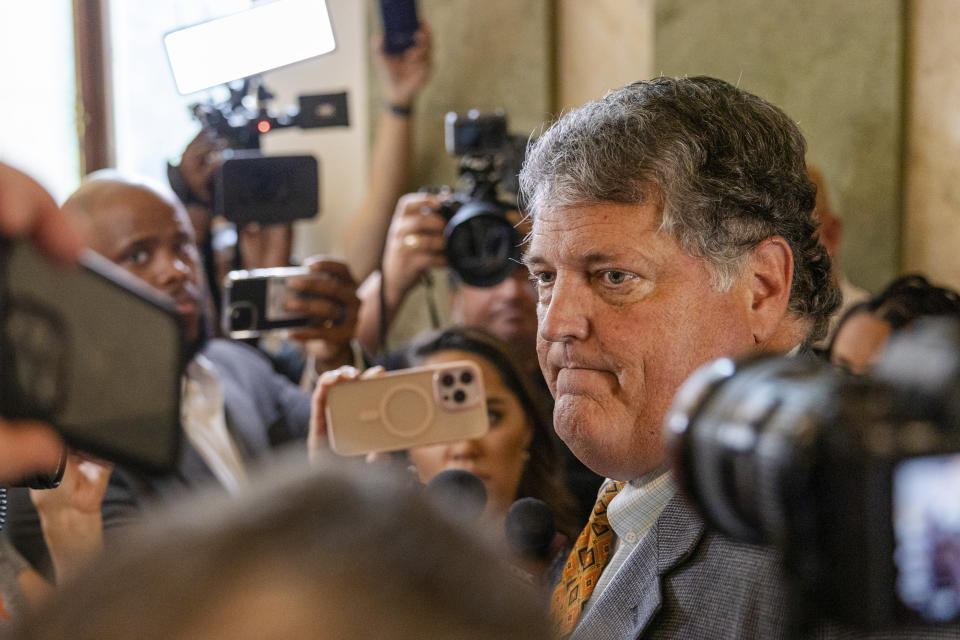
(671, 225)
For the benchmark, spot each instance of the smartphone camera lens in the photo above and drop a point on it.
(447, 380)
(459, 396)
(241, 318)
(466, 377)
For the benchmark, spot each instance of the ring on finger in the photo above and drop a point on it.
(411, 240)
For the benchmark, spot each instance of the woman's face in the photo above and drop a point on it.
(499, 457)
(859, 342)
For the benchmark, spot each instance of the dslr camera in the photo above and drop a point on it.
(482, 245)
(856, 479)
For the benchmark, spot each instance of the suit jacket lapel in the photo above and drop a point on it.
(633, 598)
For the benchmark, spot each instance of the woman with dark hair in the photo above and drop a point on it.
(516, 458)
(864, 329)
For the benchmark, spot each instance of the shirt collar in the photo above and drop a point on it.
(634, 510)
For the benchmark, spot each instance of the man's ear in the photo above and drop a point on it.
(770, 269)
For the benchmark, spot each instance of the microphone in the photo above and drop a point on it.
(460, 494)
(530, 529)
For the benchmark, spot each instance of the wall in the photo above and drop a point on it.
(601, 45)
(490, 55)
(932, 203)
(835, 67)
(342, 151)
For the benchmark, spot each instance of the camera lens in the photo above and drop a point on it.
(459, 396)
(242, 317)
(466, 377)
(447, 380)
(482, 246)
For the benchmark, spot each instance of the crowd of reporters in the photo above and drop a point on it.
(346, 550)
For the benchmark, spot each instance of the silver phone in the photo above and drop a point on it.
(407, 408)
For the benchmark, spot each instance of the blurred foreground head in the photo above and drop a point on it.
(319, 554)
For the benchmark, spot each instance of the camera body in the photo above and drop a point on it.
(250, 186)
(855, 479)
(482, 245)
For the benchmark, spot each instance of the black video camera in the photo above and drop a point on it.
(482, 245)
(249, 186)
(855, 479)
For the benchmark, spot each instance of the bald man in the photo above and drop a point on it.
(235, 407)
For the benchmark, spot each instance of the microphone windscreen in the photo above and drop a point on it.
(458, 493)
(530, 528)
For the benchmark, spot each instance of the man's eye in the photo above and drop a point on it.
(615, 277)
(542, 277)
(137, 258)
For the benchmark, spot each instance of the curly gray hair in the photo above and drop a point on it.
(726, 168)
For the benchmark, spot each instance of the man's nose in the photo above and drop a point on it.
(172, 271)
(564, 316)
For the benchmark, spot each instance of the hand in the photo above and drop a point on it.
(27, 448)
(26, 209)
(329, 297)
(70, 515)
(415, 244)
(81, 489)
(318, 443)
(199, 160)
(405, 74)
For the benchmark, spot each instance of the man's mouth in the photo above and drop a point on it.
(186, 303)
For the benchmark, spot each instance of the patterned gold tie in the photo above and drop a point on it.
(585, 564)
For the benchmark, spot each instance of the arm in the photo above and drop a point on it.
(331, 299)
(403, 77)
(70, 515)
(414, 245)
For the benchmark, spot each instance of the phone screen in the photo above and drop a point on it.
(242, 44)
(93, 352)
(926, 524)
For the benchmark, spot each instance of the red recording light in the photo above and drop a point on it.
(263, 126)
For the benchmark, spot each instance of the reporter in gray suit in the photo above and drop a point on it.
(671, 225)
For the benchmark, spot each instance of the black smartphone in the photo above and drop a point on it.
(92, 351)
(253, 302)
(400, 23)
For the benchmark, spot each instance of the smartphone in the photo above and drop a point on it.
(95, 353)
(266, 36)
(253, 301)
(407, 408)
(400, 23)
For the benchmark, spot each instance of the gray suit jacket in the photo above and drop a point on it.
(683, 581)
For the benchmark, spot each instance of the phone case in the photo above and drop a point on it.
(253, 302)
(94, 352)
(407, 408)
(400, 22)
